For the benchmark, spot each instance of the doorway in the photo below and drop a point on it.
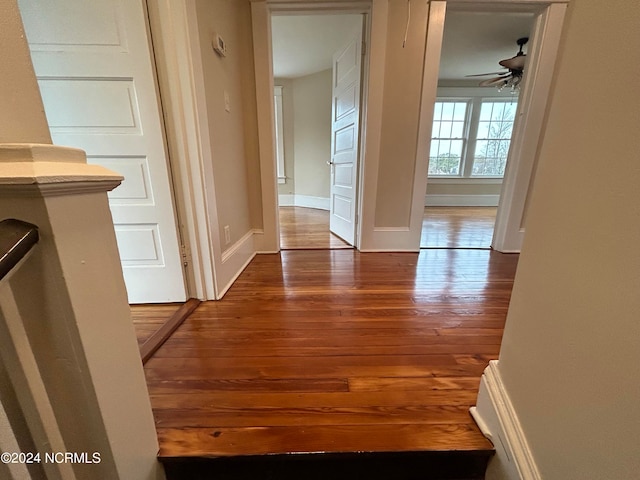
(316, 200)
(472, 127)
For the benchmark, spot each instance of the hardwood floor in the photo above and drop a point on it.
(307, 228)
(335, 351)
(458, 227)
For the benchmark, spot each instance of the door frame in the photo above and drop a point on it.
(370, 112)
(182, 96)
(530, 114)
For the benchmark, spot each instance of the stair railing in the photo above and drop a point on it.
(26, 414)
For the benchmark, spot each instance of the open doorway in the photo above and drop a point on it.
(309, 128)
(472, 127)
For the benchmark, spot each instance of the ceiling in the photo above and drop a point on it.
(304, 44)
(473, 42)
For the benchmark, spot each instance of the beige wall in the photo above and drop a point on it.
(570, 357)
(233, 134)
(22, 117)
(306, 104)
(401, 109)
(288, 126)
(312, 138)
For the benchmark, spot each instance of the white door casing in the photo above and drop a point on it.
(345, 126)
(96, 75)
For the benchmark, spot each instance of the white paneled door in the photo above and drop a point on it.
(94, 66)
(345, 126)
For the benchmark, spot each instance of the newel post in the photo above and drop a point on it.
(71, 302)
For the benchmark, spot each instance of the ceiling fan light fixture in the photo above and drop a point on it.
(514, 65)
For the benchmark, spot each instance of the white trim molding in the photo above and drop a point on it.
(453, 200)
(181, 83)
(278, 122)
(234, 260)
(498, 421)
(308, 201)
(529, 127)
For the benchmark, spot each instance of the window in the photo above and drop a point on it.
(448, 138)
(471, 137)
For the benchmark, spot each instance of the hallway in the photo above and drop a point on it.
(335, 351)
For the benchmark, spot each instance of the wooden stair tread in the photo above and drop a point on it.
(229, 441)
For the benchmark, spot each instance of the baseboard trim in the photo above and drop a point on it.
(234, 261)
(453, 200)
(498, 421)
(308, 201)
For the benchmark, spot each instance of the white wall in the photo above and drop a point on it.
(570, 357)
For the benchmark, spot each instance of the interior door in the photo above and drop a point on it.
(94, 67)
(345, 127)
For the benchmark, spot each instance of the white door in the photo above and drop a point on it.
(345, 126)
(96, 76)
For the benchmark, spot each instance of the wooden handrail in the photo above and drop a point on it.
(16, 239)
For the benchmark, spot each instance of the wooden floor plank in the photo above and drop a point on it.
(313, 416)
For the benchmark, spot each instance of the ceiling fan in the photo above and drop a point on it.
(512, 75)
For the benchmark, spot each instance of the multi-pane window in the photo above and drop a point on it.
(471, 138)
(448, 138)
(493, 138)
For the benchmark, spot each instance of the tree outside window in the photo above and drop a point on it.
(470, 138)
(493, 138)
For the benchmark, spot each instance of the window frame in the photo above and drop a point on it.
(465, 132)
(472, 121)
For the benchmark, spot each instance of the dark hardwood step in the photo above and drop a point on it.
(430, 465)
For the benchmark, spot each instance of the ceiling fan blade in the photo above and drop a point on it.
(514, 63)
(494, 81)
(485, 74)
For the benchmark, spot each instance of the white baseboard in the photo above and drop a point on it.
(308, 201)
(234, 260)
(433, 200)
(499, 422)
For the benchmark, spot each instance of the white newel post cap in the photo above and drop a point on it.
(51, 170)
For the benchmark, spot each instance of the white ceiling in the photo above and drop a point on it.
(473, 42)
(304, 44)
